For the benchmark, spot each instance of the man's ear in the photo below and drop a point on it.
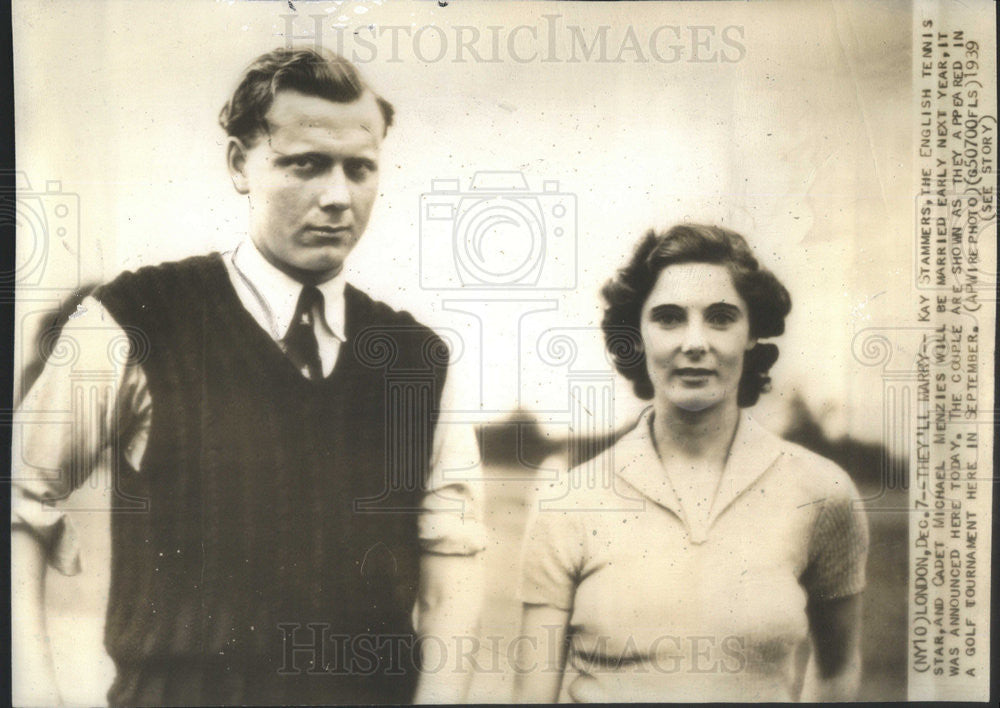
(236, 160)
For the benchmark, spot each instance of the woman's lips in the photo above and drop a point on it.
(693, 372)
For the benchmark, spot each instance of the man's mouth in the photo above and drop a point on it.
(329, 231)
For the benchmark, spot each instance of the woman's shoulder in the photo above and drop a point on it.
(819, 475)
(593, 484)
(578, 489)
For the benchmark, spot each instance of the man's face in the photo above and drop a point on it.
(311, 181)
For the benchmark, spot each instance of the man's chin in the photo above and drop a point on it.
(325, 273)
(327, 259)
(314, 270)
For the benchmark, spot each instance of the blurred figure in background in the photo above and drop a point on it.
(745, 545)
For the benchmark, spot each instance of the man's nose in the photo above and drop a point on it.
(336, 192)
(694, 341)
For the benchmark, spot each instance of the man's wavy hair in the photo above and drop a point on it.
(766, 298)
(314, 72)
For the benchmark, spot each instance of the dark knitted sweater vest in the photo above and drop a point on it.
(274, 512)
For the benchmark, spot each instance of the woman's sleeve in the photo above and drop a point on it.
(551, 558)
(838, 549)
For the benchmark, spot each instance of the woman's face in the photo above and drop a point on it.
(695, 330)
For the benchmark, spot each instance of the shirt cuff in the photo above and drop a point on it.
(52, 527)
(532, 594)
(451, 534)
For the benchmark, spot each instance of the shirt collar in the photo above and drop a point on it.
(279, 292)
(753, 452)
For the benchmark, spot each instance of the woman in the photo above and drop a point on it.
(719, 548)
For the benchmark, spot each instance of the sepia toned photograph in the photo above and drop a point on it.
(392, 352)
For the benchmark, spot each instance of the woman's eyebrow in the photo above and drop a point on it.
(677, 308)
(665, 308)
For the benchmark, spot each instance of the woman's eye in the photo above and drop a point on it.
(721, 318)
(667, 319)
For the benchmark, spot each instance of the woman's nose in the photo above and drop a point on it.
(694, 338)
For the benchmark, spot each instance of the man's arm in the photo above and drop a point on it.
(540, 658)
(51, 456)
(452, 564)
(33, 677)
(451, 590)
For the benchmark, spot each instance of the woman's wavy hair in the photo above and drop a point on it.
(767, 300)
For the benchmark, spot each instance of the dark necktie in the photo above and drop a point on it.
(300, 342)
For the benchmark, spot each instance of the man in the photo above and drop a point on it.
(281, 510)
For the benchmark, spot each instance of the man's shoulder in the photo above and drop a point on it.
(168, 272)
(182, 283)
(372, 324)
(370, 311)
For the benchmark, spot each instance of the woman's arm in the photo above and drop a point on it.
(540, 654)
(834, 581)
(834, 670)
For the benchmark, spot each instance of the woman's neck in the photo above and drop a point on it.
(705, 434)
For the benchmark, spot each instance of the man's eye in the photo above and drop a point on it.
(307, 164)
(359, 170)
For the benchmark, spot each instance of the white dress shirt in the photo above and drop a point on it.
(47, 455)
(271, 297)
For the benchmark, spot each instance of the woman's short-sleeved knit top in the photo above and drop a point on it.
(665, 610)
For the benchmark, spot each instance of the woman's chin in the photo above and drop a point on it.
(694, 404)
(697, 400)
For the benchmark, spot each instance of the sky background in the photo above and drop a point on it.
(798, 134)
